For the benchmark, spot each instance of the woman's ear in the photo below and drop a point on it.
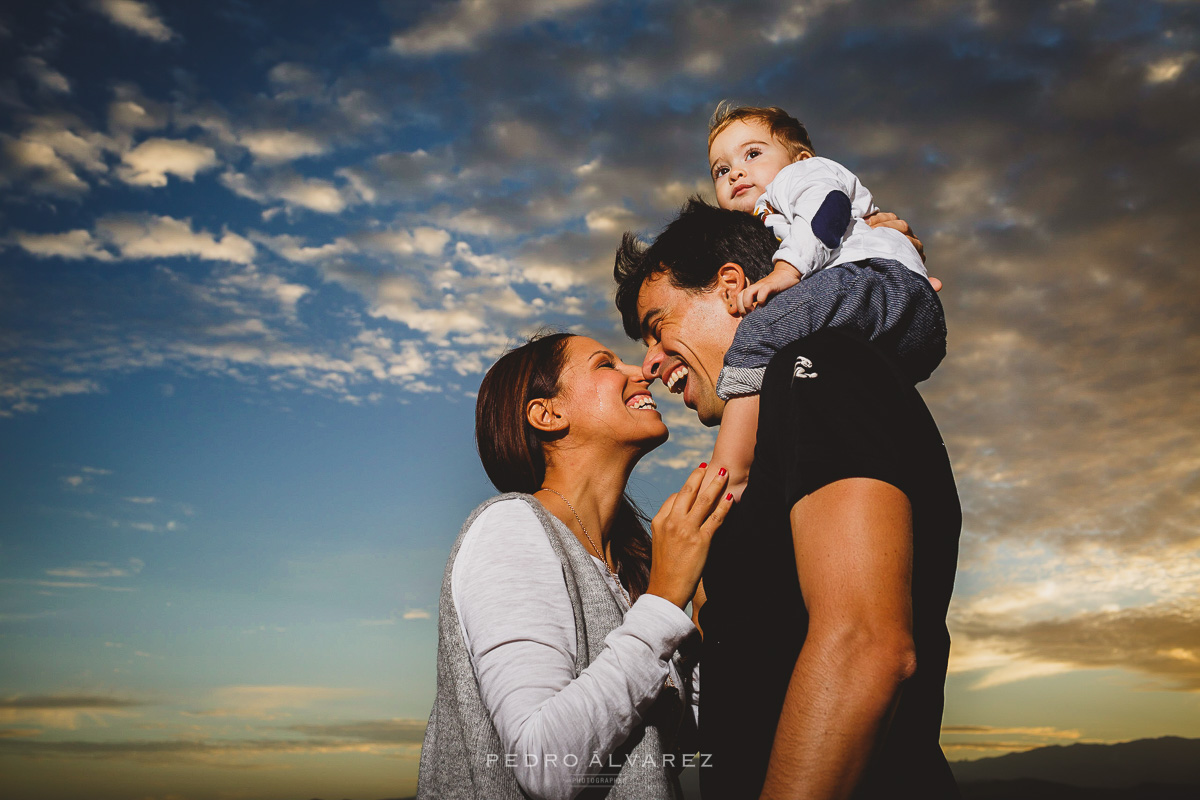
(731, 279)
(542, 416)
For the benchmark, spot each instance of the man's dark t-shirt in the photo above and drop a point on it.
(831, 407)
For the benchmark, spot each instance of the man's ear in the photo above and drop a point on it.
(541, 415)
(730, 282)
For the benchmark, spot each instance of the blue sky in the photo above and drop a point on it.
(255, 257)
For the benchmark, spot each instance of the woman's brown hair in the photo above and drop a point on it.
(512, 450)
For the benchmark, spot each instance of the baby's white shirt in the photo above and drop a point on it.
(798, 192)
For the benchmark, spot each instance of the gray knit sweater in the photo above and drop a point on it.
(463, 756)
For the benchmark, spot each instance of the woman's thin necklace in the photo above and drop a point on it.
(669, 682)
(599, 552)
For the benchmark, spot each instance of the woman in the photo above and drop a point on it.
(560, 620)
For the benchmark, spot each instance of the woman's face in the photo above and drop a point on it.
(604, 398)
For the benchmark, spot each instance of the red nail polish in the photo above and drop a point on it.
(703, 464)
(721, 473)
(729, 496)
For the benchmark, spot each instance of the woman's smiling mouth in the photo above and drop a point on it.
(639, 401)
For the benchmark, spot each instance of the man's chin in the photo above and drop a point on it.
(710, 417)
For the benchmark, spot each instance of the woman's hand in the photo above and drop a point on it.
(682, 530)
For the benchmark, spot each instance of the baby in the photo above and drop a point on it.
(832, 269)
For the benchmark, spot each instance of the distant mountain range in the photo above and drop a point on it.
(1045, 790)
(1167, 762)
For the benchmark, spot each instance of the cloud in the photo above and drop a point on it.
(236, 321)
(294, 191)
(1160, 640)
(14, 733)
(459, 25)
(137, 16)
(422, 240)
(65, 585)
(292, 80)
(46, 77)
(150, 162)
(27, 616)
(403, 175)
(130, 112)
(51, 153)
(82, 483)
(99, 569)
(384, 731)
(137, 236)
(59, 702)
(691, 441)
(1045, 732)
(416, 613)
(1169, 68)
(271, 702)
(972, 741)
(65, 711)
(223, 753)
(71, 245)
(277, 146)
(149, 236)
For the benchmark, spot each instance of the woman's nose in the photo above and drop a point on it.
(633, 371)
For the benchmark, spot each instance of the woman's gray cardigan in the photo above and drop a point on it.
(460, 735)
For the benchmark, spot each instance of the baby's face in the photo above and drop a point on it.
(742, 160)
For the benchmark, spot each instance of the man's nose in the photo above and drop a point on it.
(652, 363)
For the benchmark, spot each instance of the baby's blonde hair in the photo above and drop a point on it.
(784, 127)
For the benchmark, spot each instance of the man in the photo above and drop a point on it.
(825, 640)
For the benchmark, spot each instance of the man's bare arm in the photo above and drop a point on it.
(853, 543)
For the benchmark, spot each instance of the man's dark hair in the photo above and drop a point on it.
(690, 250)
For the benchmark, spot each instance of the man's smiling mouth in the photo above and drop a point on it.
(677, 378)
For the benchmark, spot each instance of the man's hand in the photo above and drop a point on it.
(784, 276)
(887, 219)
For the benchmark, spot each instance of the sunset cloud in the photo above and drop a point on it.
(66, 711)
(1162, 642)
(270, 702)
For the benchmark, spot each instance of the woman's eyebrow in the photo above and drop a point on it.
(602, 351)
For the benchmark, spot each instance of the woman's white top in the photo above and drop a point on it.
(516, 620)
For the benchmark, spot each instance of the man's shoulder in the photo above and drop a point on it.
(826, 359)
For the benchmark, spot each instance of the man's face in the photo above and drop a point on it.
(687, 334)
